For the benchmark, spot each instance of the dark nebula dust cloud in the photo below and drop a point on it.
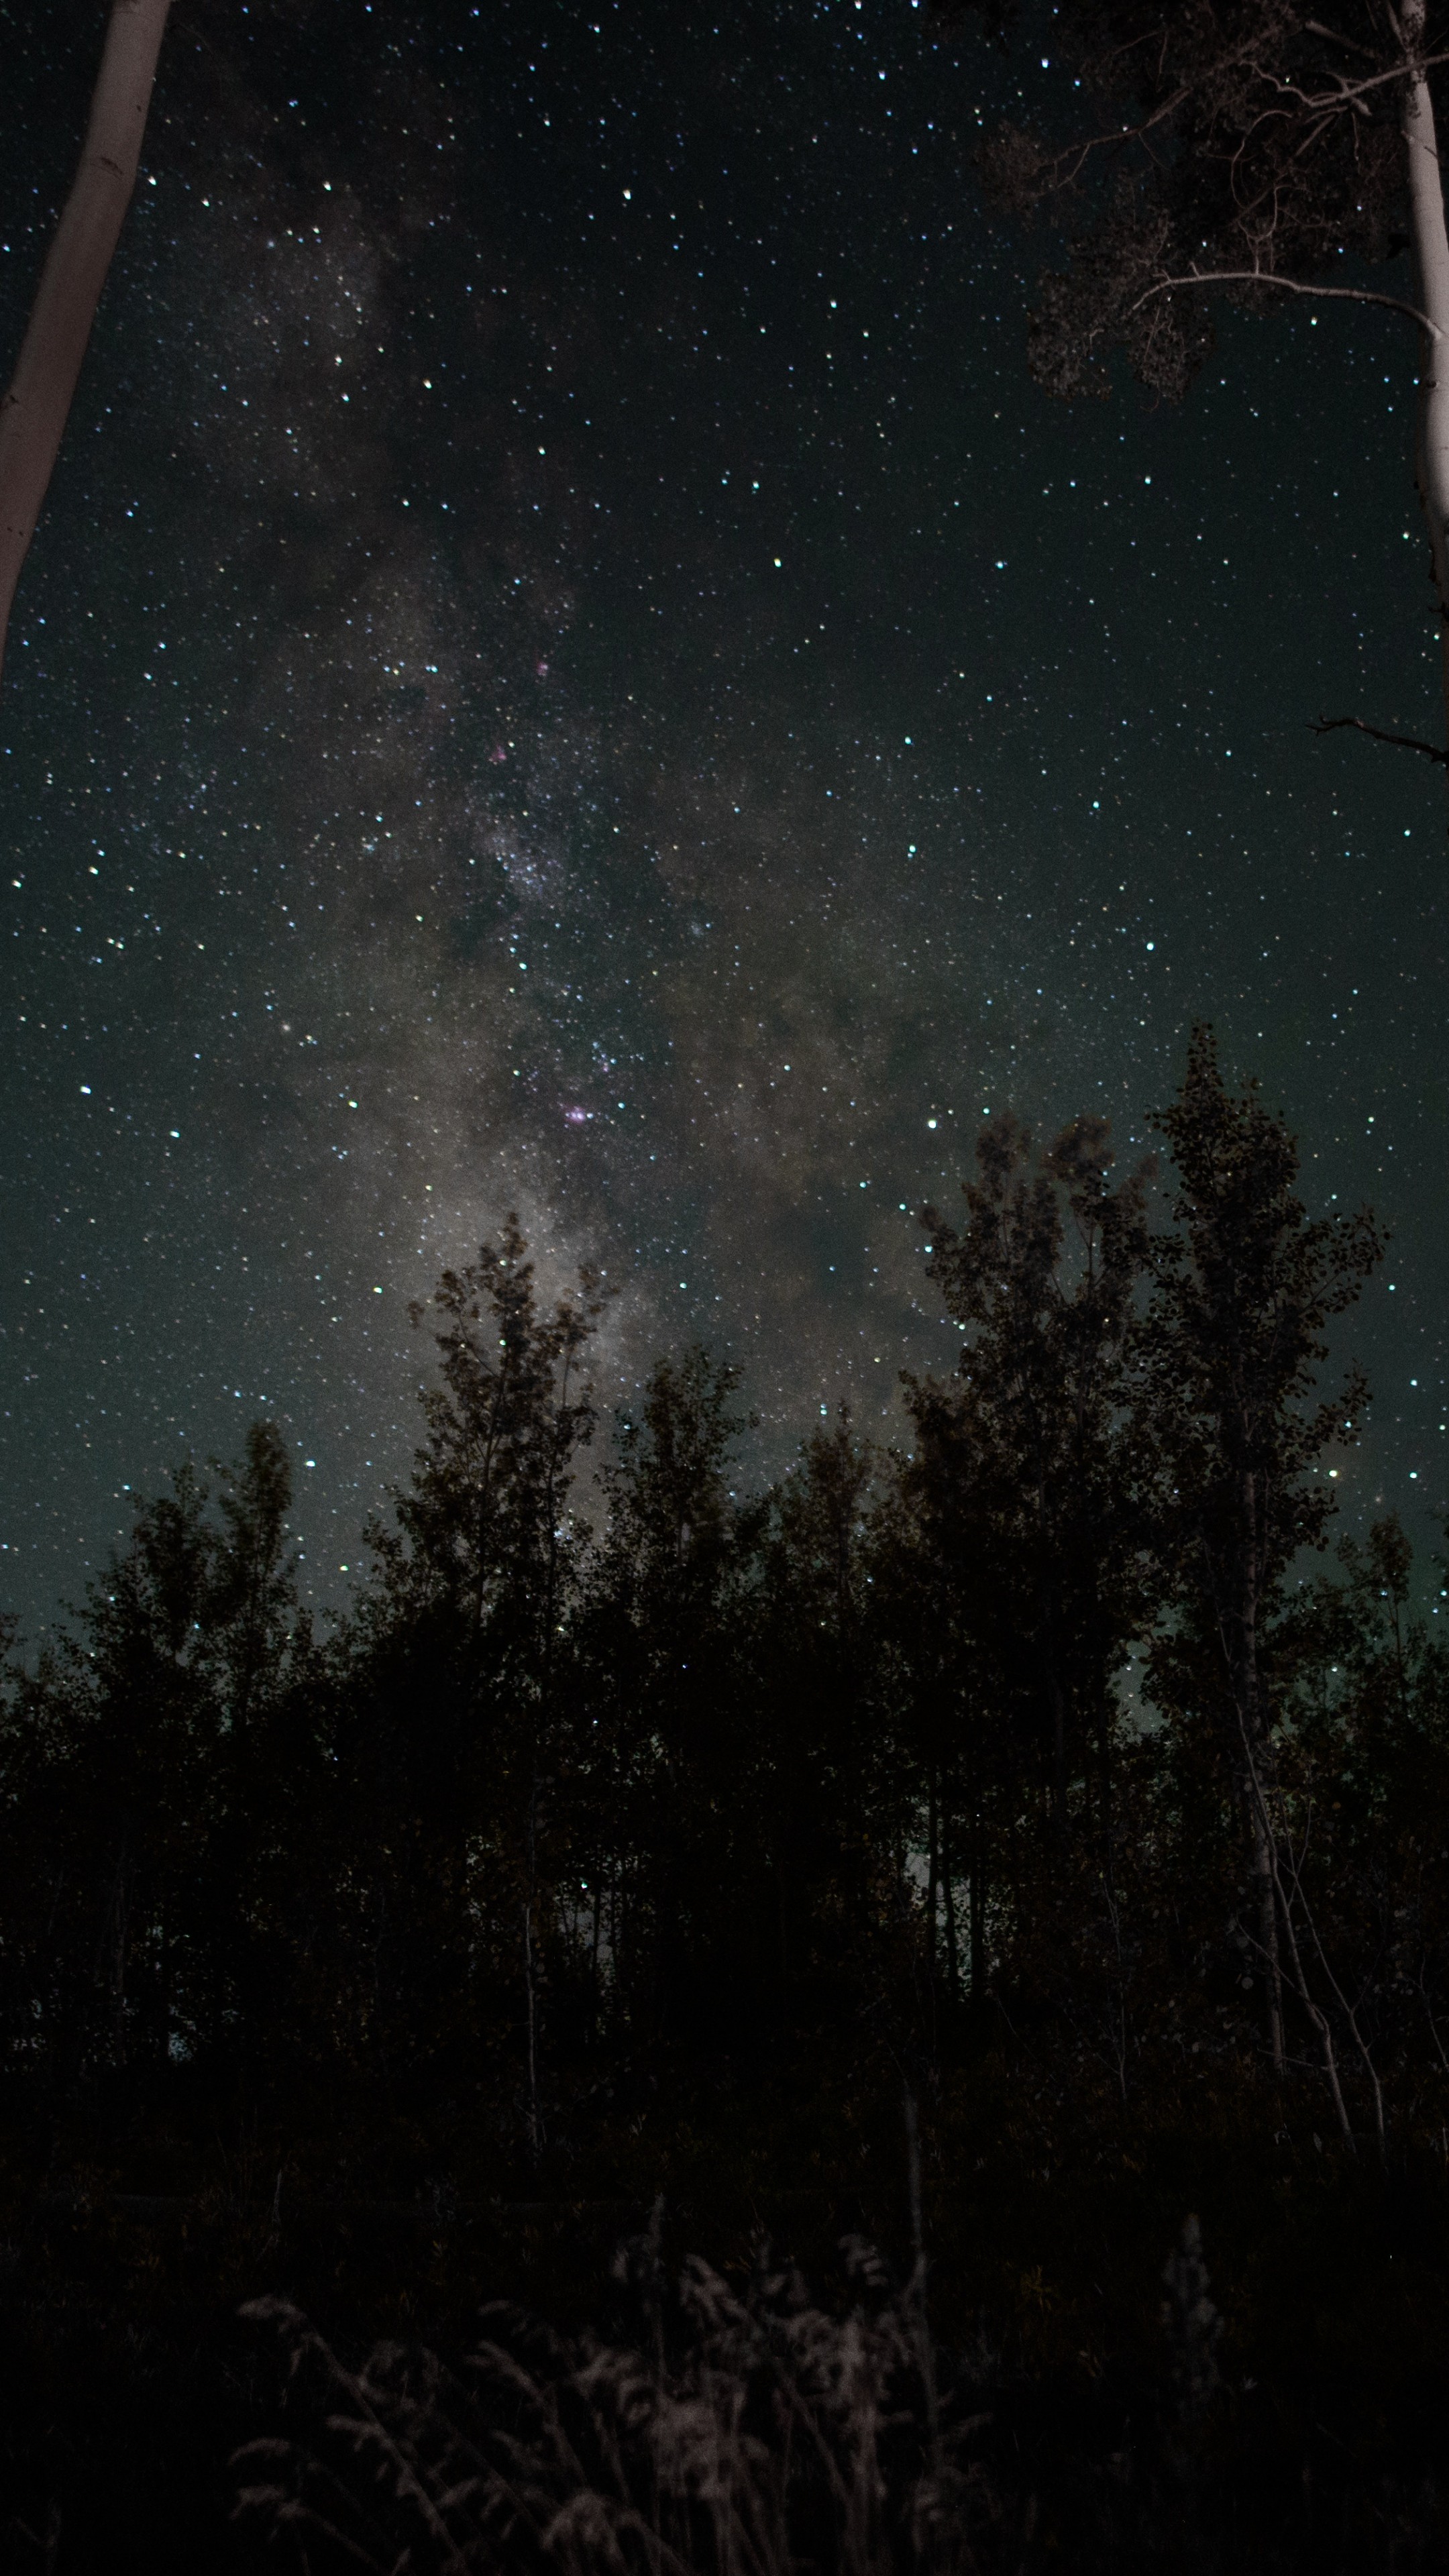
(568, 668)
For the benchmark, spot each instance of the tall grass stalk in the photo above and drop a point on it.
(746, 2431)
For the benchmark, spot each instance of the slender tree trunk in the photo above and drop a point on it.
(114, 1945)
(933, 1863)
(1266, 1909)
(1057, 1706)
(977, 1906)
(1259, 1843)
(1431, 243)
(1104, 1758)
(598, 1894)
(535, 2124)
(163, 1986)
(534, 2139)
(33, 414)
(1244, 1682)
(1305, 1994)
(948, 1891)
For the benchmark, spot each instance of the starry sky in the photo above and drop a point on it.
(568, 667)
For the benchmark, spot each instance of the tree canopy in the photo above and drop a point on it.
(1262, 155)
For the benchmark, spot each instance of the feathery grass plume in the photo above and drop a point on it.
(745, 2432)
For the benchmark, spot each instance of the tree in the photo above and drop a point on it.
(829, 1745)
(482, 1531)
(664, 1600)
(1007, 1582)
(163, 1753)
(1359, 1816)
(1245, 1284)
(37, 402)
(462, 1727)
(1258, 153)
(1028, 1440)
(146, 1720)
(254, 1579)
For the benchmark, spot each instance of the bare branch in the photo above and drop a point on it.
(1331, 36)
(1400, 741)
(1345, 2007)
(1068, 166)
(1289, 286)
(1347, 91)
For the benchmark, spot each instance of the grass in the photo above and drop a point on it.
(746, 2427)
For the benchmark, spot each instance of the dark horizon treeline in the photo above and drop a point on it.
(849, 1766)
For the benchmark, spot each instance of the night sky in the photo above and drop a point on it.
(568, 667)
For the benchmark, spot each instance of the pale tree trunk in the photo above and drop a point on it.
(1431, 243)
(33, 414)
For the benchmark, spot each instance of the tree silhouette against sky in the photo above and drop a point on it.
(1256, 155)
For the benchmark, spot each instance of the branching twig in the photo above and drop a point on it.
(1399, 741)
(1316, 2014)
(1289, 286)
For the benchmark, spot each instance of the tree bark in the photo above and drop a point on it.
(1431, 243)
(36, 405)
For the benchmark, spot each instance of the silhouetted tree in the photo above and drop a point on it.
(1022, 1461)
(1047, 1762)
(981, 1742)
(1259, 154)
(828, 1792)
(1244, 1286)
(460, 1724)
(662, 1641)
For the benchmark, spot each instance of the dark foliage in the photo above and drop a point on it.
(1249, 151)
(630, 1836)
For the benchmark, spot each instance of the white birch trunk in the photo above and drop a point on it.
(1431, 243)
(33, 414)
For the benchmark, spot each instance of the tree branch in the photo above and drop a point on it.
(1288, 286)
(1068, 166)
(1347, 91)
(1315, 27)
(1401, 741)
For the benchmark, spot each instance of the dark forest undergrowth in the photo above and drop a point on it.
(1025, 1853)
(1083, 2423)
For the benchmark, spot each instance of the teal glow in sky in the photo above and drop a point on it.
(568, 667)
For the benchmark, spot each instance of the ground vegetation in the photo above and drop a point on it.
(1006, 1849)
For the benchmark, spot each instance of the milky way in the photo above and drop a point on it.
(568, 668)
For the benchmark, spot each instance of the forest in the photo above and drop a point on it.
(904, 1909)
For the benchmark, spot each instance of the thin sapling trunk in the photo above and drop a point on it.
(1431, 243)
(37, 403)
